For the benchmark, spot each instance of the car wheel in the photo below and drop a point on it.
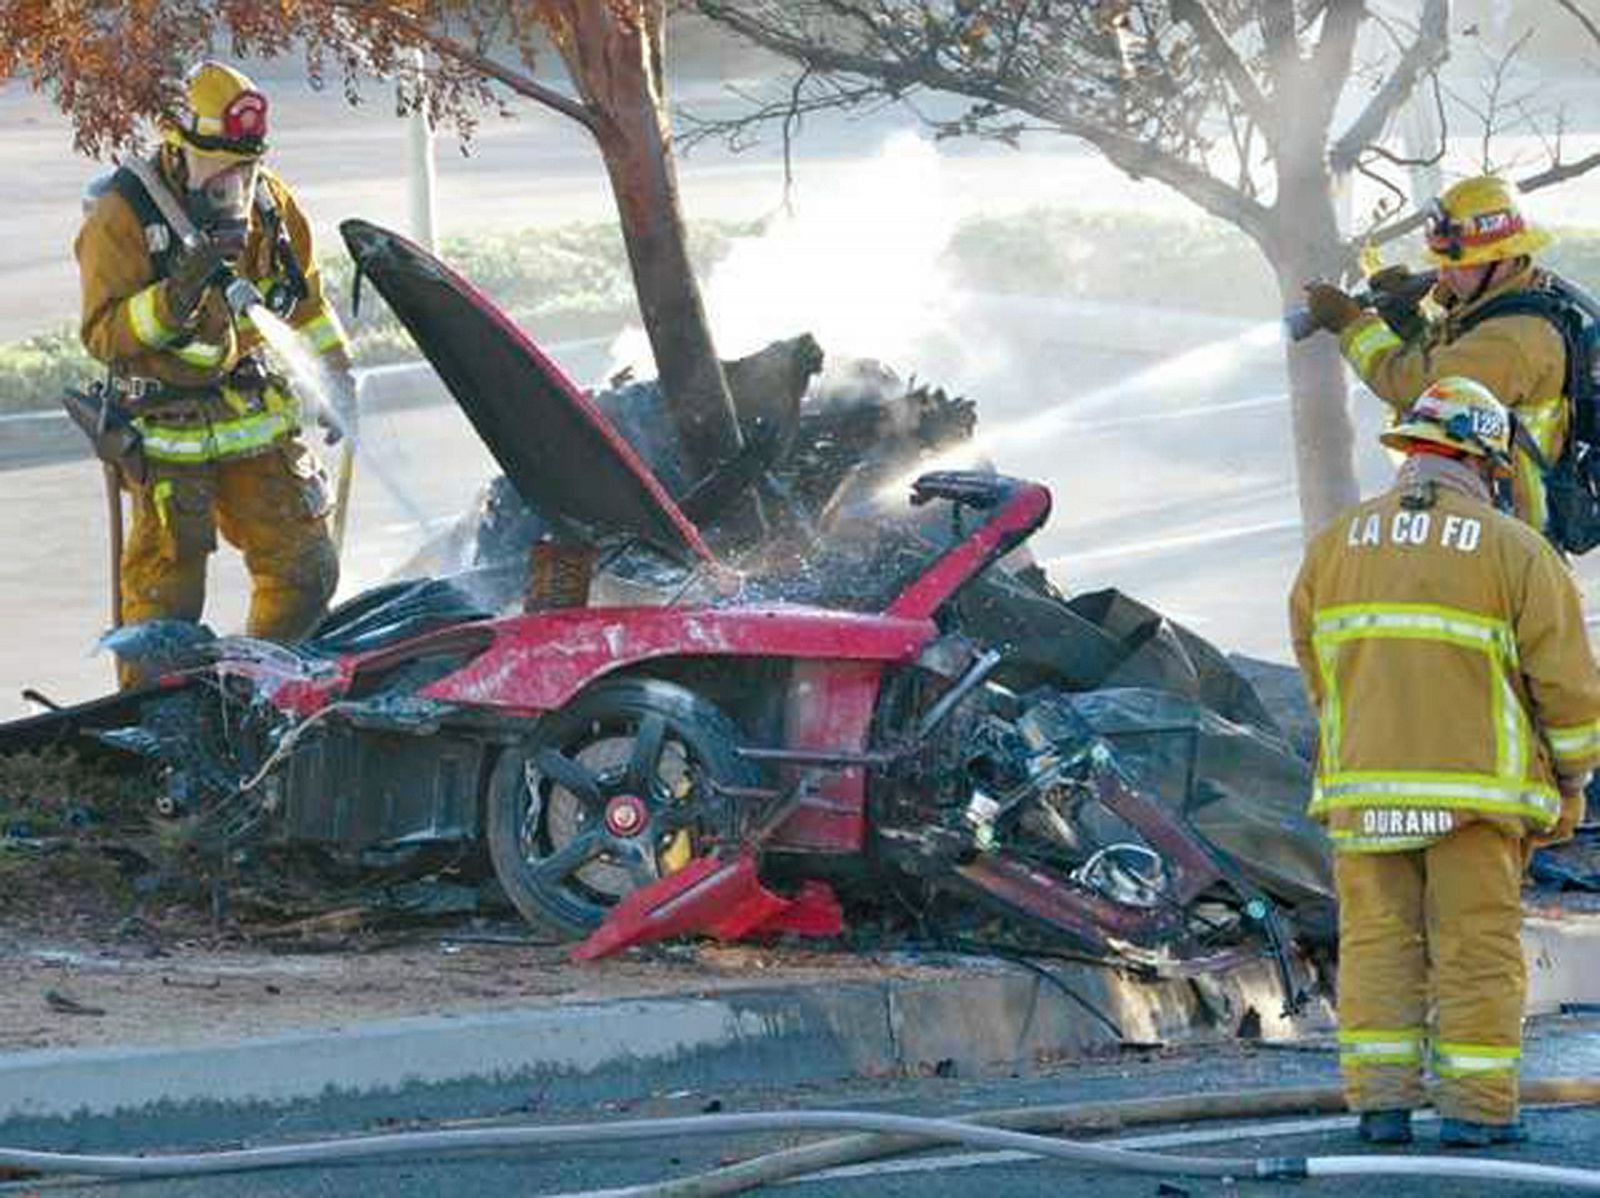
(607, 795)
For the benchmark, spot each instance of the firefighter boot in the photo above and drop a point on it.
(1463, 1133)
(1385, 1127)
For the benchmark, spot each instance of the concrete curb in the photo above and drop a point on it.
(980, 1020)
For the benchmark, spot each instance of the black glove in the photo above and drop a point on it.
(193, 271)
(1395, 280)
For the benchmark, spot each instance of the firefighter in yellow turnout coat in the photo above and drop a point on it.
(221, 450)
(1444, 648)
(1483, 248)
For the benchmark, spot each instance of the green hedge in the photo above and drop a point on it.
(573, 281)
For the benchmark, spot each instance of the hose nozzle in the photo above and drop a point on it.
(1298, 323)
(241, 295)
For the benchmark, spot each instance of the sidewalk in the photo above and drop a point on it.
(245, 1031)
(713, 1016)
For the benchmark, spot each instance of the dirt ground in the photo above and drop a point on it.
(57, 993)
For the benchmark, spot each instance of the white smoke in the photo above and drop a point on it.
(855, 263)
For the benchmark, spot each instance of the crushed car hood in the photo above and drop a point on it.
(563, 457)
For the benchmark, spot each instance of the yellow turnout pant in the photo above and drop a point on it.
(272, 506)
(1452, 911)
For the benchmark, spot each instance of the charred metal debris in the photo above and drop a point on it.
(647, 724)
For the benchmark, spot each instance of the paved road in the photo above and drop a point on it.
(1565, 1137)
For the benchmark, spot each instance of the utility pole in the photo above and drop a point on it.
(424, 221)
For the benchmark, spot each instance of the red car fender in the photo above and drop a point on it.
(539, 662)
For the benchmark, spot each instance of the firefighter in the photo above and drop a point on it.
(1444, 648)
(1483, 248)
(222, 450)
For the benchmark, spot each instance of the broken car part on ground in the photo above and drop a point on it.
(654, 729)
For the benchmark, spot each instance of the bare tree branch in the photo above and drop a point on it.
(1135, 155)
(448, 47)
(1426, 54)
(1582, 18)
(1198, 17)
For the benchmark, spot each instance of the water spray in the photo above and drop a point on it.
(1215, 359)
(310, 379)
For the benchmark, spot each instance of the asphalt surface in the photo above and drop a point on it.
(1563, 1137)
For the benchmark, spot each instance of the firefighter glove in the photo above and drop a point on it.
(1398, 280)
(1330, 308)
(195, 270)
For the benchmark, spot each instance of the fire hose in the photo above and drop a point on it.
(890, 1134)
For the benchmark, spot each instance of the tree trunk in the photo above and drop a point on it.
(1307, 246)
(645, 185)
(614, 56)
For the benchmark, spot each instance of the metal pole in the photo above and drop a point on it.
(424, 224)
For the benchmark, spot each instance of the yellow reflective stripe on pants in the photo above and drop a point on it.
(144, 318)
(1446, 792)
(1475, 1060)
(1361, 1049)
(1372, 340)
(161, 498)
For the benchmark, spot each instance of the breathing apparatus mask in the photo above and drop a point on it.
(221, 206)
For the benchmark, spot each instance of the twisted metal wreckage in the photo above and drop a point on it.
(887, 700)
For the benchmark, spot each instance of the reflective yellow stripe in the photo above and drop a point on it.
(1332, 714)
(144, 319)
(1506, 792)
(1543, 422)
(1364, 1049)
(1445, 791)
(199, 353)
(1355, 842)
(1371, 340)
(1574, 745)
(1418, 621)
(1475, 1060)
(323, 331)
(221, 439)
(160, 495)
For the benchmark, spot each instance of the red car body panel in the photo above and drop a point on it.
(541, 661)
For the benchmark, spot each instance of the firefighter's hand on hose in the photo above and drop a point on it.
(339, 416)
(194, 271)
(1396, 280)
(1330, 308)
(1574, 804)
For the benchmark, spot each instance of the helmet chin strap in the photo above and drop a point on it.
(1489, 277)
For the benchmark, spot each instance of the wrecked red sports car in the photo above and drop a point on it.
(745, 754)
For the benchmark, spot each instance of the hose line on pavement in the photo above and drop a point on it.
(805, 1159)
(924, 1130)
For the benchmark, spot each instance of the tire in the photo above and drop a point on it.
(555, 844)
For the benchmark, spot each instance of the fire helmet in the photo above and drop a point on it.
(1458, 413)
(1478, 221)
(222, 115)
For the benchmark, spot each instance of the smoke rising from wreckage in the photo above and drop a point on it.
(886, 707)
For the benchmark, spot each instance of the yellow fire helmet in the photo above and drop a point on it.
(1459, 413)
(222, 115)
(1477, 221)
